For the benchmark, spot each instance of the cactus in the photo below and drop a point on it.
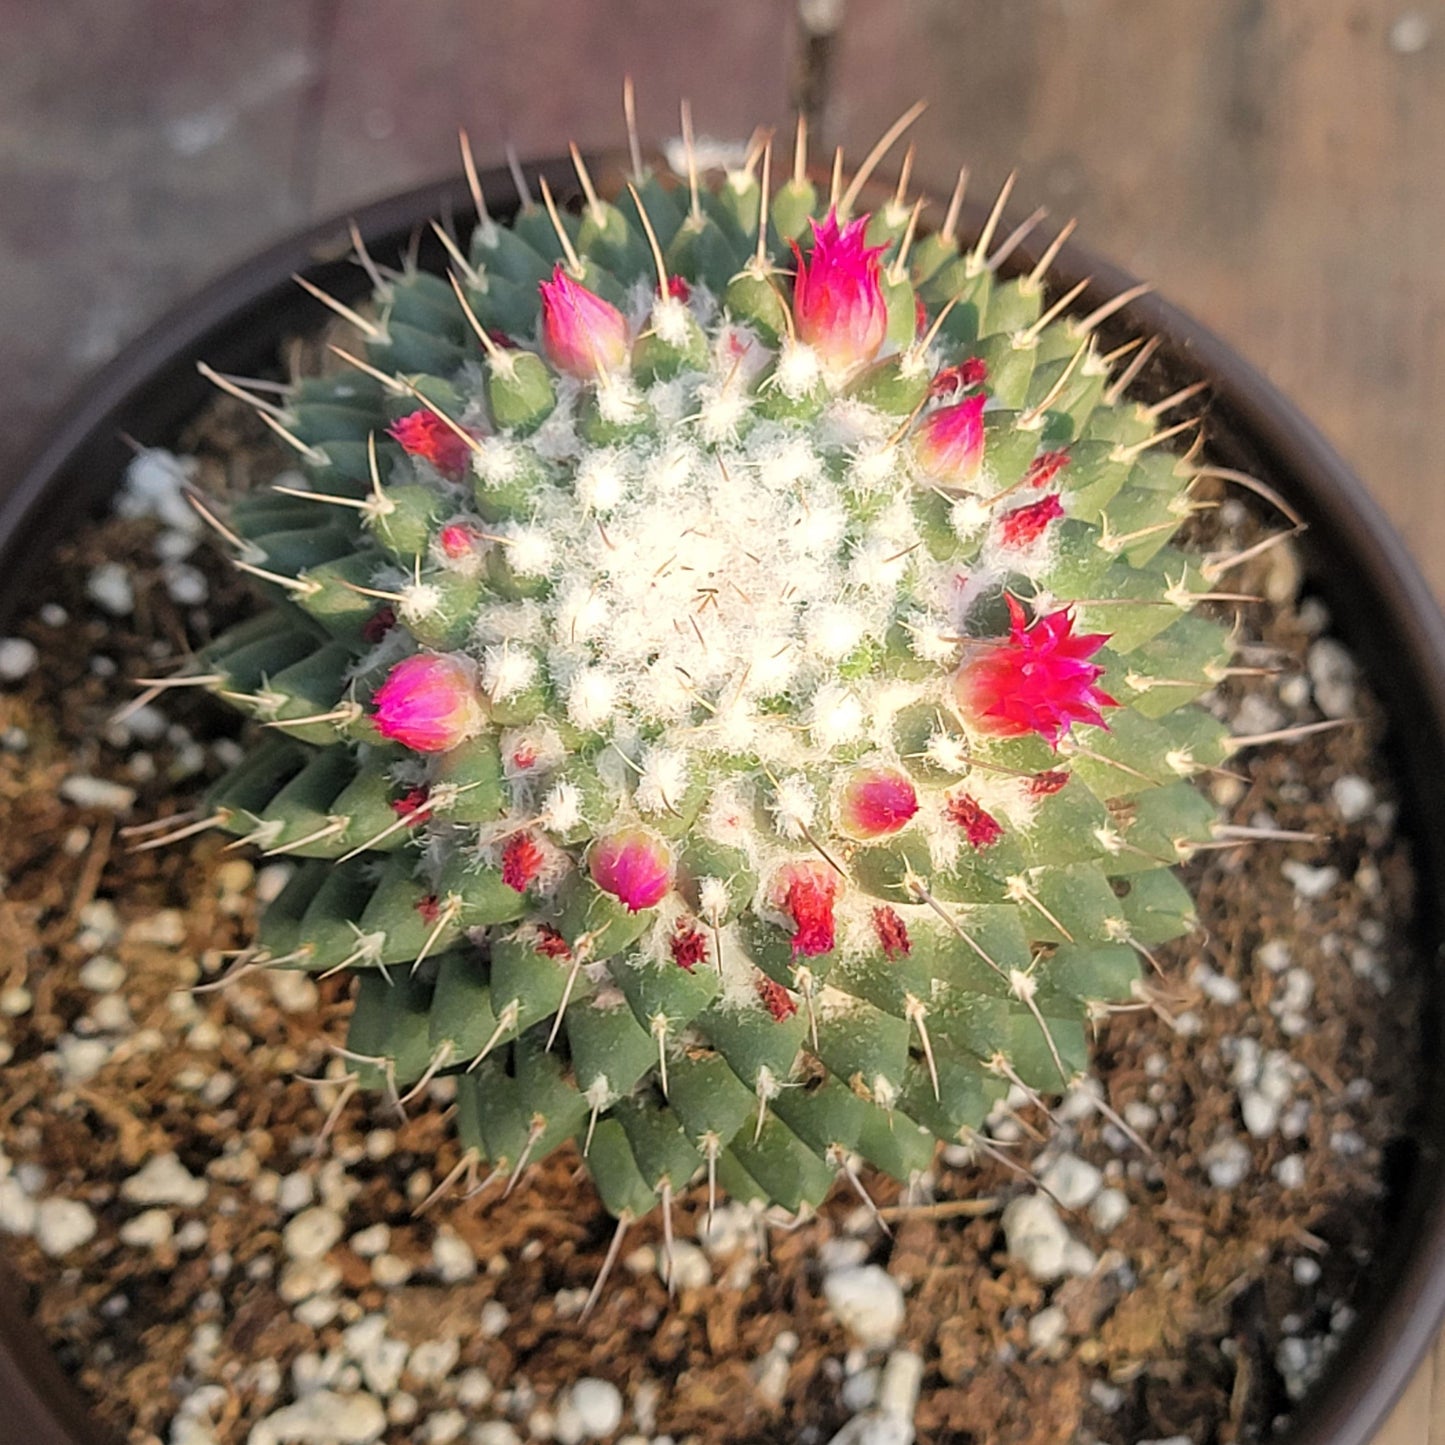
(728, 687)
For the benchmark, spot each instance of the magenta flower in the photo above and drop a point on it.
(1023, 526)
(429, 703)
(1036, 680)
(949, 441)
(583, 335)
(838, 304)
(633, 865)
(876, 802)
(424, 434)
(807, 893)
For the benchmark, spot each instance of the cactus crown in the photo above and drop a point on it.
(726, 688)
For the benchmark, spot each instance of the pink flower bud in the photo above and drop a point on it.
(979, 826)
(429, 703)
(876, 802)
(806, 892)
(1036, 680)
(459, 540)
(949, 441)
(1023, 526)
(583, 335)
(634, 866)
(892, 933)
(424, 434)
(838, 304)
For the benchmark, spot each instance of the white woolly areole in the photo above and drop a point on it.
(663, 780)
(506, 671)
(530, 551)
(713, 899)
(592, 698)
(798, 370)
(836, 716)
(562, 807)
(600, 480)
(419, 600)
(496, 460)
(672, 321)
(794, 806)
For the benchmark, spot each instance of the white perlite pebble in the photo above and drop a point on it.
(1038, 1240)
(81, 1059)
(1047, 1327)
(17, 1208)
(452, 1257)
(18, 656)
(588, 1410)
(1354, 797)
(295, 1192)
(901, 1382)
(1072, 1181)
(1309, 883)
(312, 1233)
(494, 1432)
(1109, 1209)
(381, 1359)
(372, 1241)
(62, 1225)
(690, 1269)
(102, 974)
(323, 1418)
(87, 792)
(148, 1230)
(1332, 671)
(442, 1428)
(109, 587)
(868, 1302)
(875, 1428)
(493, 1319)
(164, 1180)
(432, 1360)
(1227, 1162)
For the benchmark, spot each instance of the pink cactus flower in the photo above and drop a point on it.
(424, 434)
(838, 304)
(522, 860)
(1045, 467)
(775, 998)
(1023, 526)
(876, 802)
(892, 933)
(429, 703)
(806, 892)
(949, 441)
(979, 826)
(952, 380)
(634, 866)
(583, 335)
(1036, 680)
(459, 540)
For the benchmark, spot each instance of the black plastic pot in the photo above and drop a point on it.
(1381, 605)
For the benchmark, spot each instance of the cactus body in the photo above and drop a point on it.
(732, 722)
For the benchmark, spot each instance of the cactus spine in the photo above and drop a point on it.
(727, 688)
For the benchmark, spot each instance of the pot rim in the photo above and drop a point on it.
(1372, 582)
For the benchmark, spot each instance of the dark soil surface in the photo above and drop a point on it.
(1268, 1071)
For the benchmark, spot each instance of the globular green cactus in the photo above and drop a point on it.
(727, 687)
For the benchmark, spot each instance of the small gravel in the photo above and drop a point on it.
(1072, 1181)
(1037, 1238)
(312, 1233)
(868, 1303)
(62, 1225)
(323, 1418)
(18, 656)
(165, 1180)
(588, 1410)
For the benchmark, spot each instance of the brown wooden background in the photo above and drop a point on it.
(1276, 166)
